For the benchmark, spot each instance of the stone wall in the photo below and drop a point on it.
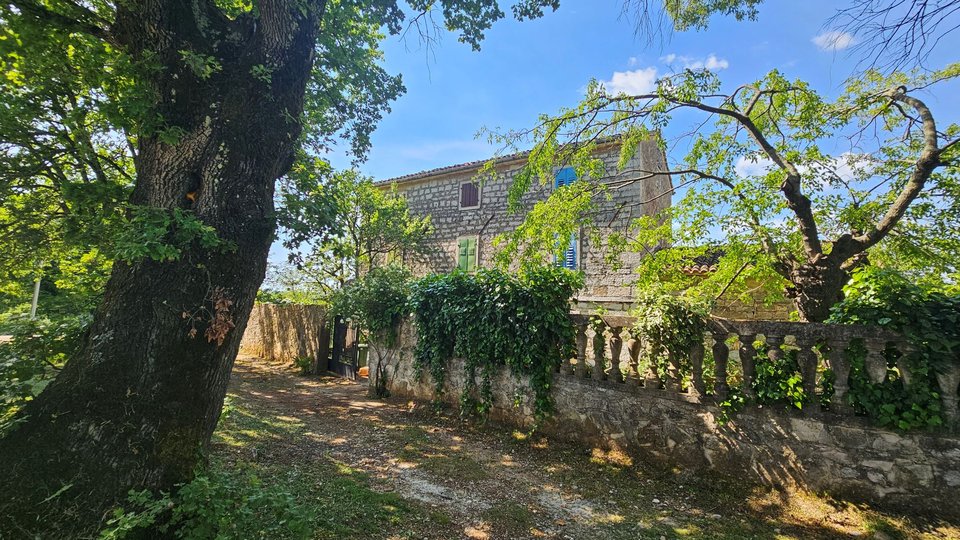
(437, 194)
(844, 456)
(285, 332)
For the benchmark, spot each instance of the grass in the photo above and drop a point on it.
(510, 517)
(437, 458)
(341, 502)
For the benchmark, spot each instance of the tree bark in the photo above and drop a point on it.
(136, 407)
(817, 286)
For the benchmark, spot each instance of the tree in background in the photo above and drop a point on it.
(372, 226)
(210, 102)
(762, 181)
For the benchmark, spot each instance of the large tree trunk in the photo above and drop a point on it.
(136, 408)
(817, 287)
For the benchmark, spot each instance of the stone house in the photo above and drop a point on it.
(467, 215)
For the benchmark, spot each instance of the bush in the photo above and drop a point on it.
(672, 323)
(490, 319)
(929, 318)
(215, 505)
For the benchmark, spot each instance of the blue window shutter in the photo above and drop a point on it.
(570, 256)
(565, 177)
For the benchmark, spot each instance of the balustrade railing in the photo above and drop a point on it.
(607, 351)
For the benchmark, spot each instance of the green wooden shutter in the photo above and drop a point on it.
(471, 254)
(462, 254)
(467, 254)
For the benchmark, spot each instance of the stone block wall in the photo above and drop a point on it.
(284, 332)
(438, 194)
(843, 456)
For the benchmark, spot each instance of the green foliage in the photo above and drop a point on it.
(203, 66)
(671, 321)
(490, 319)
(377, 302)
(695, 14)
(161, 235)
(929, 318)
(780, 381)
(340, 225)
(37, 350)
(304, 364)
(234, 504)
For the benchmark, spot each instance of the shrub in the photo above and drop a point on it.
(377, 302)
(671, 323)
(928, 317)
(490, 319)
(215, 505)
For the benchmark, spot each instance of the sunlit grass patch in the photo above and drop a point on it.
(510, 516)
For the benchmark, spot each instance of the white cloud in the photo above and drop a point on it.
(632, 61)
(847, 167)
(834, 40)
(638, 81)
(711, 62)
(746, 166)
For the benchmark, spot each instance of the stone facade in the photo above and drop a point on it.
(839, 454)
(437, 193)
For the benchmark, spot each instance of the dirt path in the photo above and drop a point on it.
(467, 481)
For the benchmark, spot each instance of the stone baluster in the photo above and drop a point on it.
(581, 351)
(696, 366)
(721, 355)
(616, 344)
(651, 379)
(748, 362)
(840, 365)
(876, 362)
(634, 345)
(674, 383)
(949, 380)
(906, 375)
(808, 361)
(599, 350)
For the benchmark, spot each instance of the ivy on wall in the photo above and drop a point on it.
(492, 318)
(929, 318)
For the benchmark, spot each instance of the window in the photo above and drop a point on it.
(469, 195)
(467, 253)
(565, 177)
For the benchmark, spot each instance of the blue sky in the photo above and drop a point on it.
(534, 67)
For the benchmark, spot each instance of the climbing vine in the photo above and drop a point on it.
(929, 318)
(492, 318)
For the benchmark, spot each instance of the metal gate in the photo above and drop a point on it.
(344, 357)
